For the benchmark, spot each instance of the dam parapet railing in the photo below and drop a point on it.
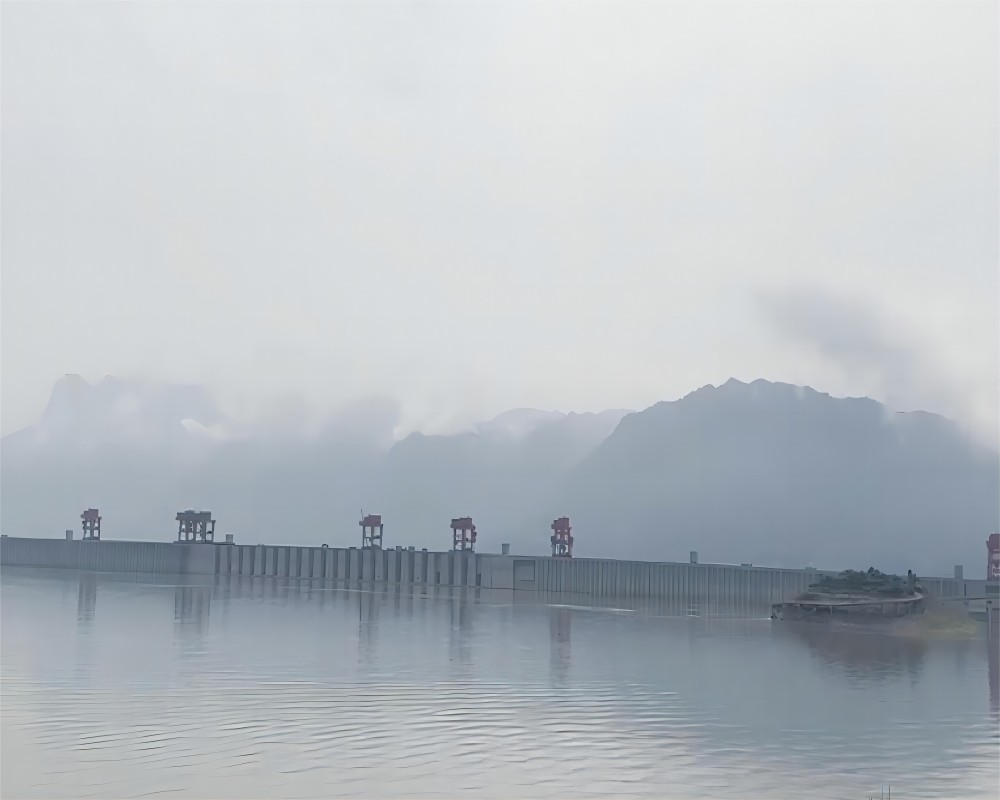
(589, 577)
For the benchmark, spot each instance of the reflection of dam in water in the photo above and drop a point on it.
(369, 609)
(349, 685)
(861, 655)
(993, 658)
(560, 643)
(864, 655)
(193, 606)
(86, 602)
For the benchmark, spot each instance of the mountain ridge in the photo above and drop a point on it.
(763, 471)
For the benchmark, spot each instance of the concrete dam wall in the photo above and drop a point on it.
(158, 558)
(578, 577)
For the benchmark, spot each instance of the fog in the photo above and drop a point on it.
(473, 207)
(766, 473)
(716, 280)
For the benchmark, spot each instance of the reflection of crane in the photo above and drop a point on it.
(369, 606)
(460, 630)
(560, 645)
(192, 607)
(86, 600)
(993, 661)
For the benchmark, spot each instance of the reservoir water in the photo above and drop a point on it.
(125, 686)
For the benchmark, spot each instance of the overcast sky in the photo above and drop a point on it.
(474, 205)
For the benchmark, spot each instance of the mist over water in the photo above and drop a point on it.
(118, 686)
(712, 279)
(764, 473)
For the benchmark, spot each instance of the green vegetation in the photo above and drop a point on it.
(940, 623)
(872, 583)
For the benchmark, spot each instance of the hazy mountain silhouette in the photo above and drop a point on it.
(493, 474)
(777, 474)
(766, 472)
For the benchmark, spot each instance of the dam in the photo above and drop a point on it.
(590, 579)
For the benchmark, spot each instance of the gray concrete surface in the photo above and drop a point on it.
(578, 577)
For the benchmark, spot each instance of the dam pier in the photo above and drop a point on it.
(561, 576)
(593, 578)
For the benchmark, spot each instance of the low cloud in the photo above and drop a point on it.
(870, 349)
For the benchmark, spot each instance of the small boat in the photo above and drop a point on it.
(847, 608)
(855, 597)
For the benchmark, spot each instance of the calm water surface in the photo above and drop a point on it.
(136, 687)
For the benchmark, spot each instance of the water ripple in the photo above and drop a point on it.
(352, 696)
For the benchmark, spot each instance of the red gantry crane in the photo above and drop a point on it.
(195, 526)
(463, 534)
(562, 538)
(371, 531)
(91, 524)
